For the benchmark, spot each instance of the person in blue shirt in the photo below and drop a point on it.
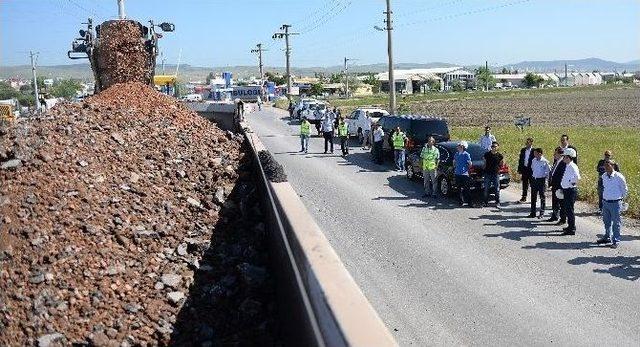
(462, 164)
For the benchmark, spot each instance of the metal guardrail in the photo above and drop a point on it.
(319, 302)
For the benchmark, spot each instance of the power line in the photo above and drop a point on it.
(324, 19)
(451, 16)
(414, 11)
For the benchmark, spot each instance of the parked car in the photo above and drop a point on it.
(192, 98)
(356, 119)
(314, 112)
(300, 105)
(445, 173)
(417, 128)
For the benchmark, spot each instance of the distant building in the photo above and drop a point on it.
(414, 80)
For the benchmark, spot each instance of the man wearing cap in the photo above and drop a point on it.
(524, 167)
(601, 170)
(462, 164)
(430, 156)
(614, 190)
(569, 184)
(487, 139)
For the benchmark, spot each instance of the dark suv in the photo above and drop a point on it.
(445, 175)
(417, 128)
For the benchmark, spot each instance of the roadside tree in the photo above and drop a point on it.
(532, 80)
(484, 78)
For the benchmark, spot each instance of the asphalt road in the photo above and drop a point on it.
(442, 275)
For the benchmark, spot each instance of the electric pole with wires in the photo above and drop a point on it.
(392, 81)
(259, 50)
(346, 76)
(35, 79)
(285, 34)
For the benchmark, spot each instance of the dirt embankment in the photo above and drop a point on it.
(129, 220)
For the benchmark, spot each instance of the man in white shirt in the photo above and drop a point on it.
(614, 190)
(569, 186)
(487, 139)
(539, 173)
(378, 137)
(366, 131)
(327, 131)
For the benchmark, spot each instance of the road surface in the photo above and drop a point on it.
(442, 275)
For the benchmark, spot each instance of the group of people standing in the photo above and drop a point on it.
(562, 176)
(331, 121)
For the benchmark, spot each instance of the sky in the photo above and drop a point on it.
(214, 33)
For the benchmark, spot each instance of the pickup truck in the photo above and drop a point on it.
(356, 119)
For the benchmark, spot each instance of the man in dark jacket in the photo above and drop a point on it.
(524, 167)
(555, 177)
(564, 143)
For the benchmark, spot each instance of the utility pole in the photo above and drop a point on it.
(259, 50)
(392, 81)
(566, 77)
(346, 76)
(486, 80)
(285, 33)
(163, 60)
(121, 14)
(35, 79)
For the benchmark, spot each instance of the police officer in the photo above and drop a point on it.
(398, 138)
(305, 132)
(430, 156)
(343, 134)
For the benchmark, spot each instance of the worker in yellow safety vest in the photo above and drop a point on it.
(305, 132)
(343, 133)
(430, 156)
(398, 138)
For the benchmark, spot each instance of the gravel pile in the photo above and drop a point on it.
(129, 220)
(121, 55)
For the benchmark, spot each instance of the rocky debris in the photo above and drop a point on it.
(85, 249)
(272, 169)
(10, 164)
(171, 280)
(50, 339)
(121, 56)
(175, 297)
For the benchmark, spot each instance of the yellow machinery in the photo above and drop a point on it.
(8, 110)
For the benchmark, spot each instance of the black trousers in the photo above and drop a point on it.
(569, 203)
(377, 152)
(556, 205)
(526, 181)
(538, 187)
(328, 139)
(344, 145)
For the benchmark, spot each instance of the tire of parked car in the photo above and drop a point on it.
(444, 186)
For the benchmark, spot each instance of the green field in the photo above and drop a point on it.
(590, 142)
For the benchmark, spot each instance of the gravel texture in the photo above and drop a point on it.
(129, 220)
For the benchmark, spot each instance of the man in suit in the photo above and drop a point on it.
(524, 167)
(555, 177)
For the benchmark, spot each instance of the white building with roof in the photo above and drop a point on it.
(411, 81)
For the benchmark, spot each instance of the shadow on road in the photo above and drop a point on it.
(562, 246)
(365, 162)
(519, 235)
(412, 190)
(627, 268)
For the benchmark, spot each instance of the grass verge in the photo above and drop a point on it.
(591, 142)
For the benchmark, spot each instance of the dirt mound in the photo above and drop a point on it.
(122, 55)
(108, 209)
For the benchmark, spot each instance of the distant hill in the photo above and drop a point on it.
(195, 73)
(581, 65)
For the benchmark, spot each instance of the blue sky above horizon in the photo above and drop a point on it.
(222, 33)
